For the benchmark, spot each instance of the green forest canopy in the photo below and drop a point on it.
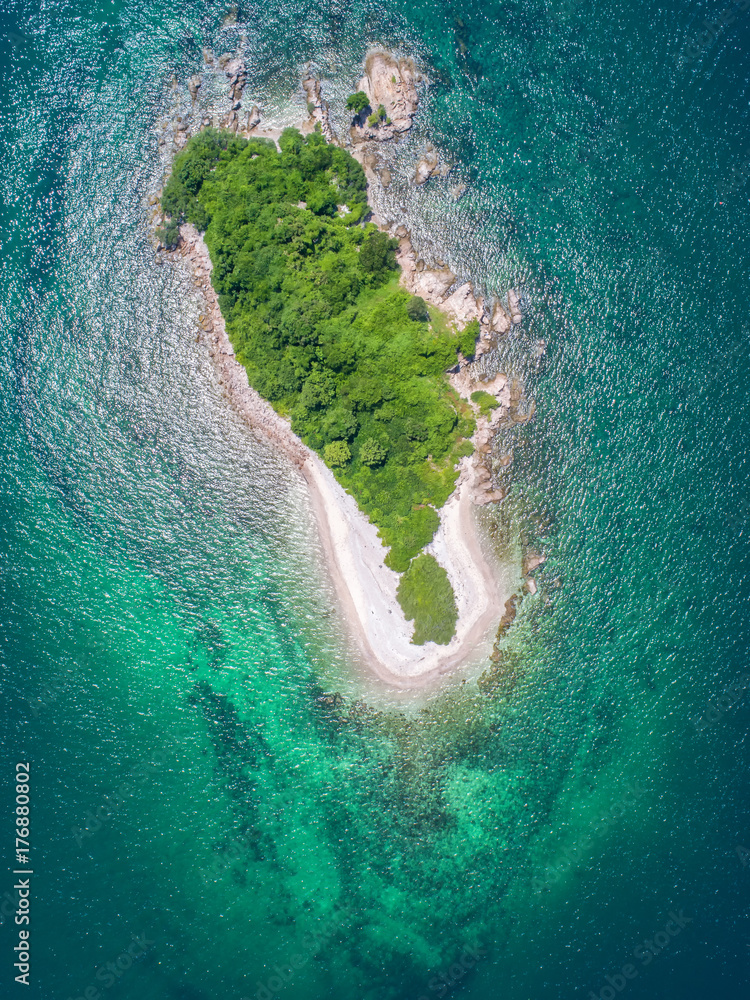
(315, 313)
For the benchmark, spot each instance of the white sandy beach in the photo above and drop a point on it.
(354, 553)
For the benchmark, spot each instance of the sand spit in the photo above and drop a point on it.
(354, 553)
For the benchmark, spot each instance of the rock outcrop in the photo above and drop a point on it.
(237, 73)
(253, 118)
(392, 83)
(426, 167)
(514, 304)
(463, 306)
(479, 472)
(317, 107)
(500, 322)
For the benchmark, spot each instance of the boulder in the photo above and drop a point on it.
(462, 305)
(433, 285)
(235, 70)
(492, 496)
(194, 85)
(253, 117)
(532, 561)
(426, 167)
(515, 307)
(496, 387)
(500, 322)
(311, 87)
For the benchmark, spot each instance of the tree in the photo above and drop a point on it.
(372, 453)
(319, 390)
(357, 102)
(291, 141)
(416, 309)
(322, 200)
(377, 255)
(336, 454)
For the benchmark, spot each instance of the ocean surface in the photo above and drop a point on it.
(167, 628)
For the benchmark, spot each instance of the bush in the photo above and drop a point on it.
(377, 117)
(357, 102)
(416, 309)
(337, 453)
(408, 535)
(484, 401)
(467, 339)
(169, 234)
(426, 596)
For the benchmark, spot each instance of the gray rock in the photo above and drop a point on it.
(235, 70)
(500, 320)
(515, 306)
(426, 168)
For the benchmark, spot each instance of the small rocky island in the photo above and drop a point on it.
(362, 350)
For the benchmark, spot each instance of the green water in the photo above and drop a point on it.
(167, 630)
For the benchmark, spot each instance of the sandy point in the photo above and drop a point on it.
(355, 556)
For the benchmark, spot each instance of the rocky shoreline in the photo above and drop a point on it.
(260, 415)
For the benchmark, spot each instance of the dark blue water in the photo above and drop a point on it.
(165, 630)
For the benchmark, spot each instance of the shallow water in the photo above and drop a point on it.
(162, 597)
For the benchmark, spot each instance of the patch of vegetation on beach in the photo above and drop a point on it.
(314, 311)
(425, 594)
(484, 401)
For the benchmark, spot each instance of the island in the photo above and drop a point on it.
(361, 381)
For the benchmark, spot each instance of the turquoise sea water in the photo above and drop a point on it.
(165, 632)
